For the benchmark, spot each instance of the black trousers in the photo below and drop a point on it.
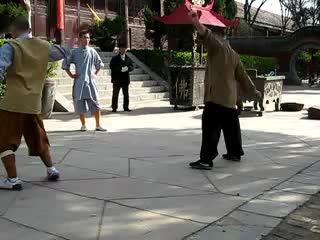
(115, 95)
(214, 119)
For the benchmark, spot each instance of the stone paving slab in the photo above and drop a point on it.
(98, 162)
(244, 186)
(173, 174)
(302, 224)
(121, 188)
(268, 208)
(213, 206)
(297, 187)
(121, 222)
(11, 230)
(62, 214)
(37, 173)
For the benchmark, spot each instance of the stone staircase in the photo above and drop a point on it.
(143, 88)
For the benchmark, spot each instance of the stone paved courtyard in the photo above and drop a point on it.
(303, 223)
(133, 183)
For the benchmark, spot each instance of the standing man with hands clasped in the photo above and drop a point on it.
(224, 72)
(121, 66)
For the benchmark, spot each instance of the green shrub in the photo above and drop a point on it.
(2, 85)
(8, 12)
(52, 68)
(106, 33)
(302, 61)
(159, 60)
(2, 41)
(264, 65)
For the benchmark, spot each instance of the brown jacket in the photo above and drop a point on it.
(224, 73)
(25, 77)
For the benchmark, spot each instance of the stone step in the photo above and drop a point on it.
(107, 86)
(103, 72)
(133, 91)
(103, 79)
(106, 60)
(134, 99)
(133, 105)
(106, 54)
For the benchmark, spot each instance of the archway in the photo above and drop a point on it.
(292, 76)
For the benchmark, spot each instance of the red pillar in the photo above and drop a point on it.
(60, 21)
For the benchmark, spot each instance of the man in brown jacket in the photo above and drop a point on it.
(223, 75)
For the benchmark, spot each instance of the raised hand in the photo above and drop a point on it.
(26, 4)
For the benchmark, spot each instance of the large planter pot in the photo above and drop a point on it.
(48, 98)
(187, 85)
(270, 88)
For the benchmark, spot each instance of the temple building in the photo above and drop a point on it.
(267, 23)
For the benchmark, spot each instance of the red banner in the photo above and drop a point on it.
(60, 14)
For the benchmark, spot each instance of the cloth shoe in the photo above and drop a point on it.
(53, 174)
(201, 165)
(11, 184)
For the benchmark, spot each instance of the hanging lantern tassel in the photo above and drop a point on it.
(97, 19)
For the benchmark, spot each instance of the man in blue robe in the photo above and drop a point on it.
(85, 93)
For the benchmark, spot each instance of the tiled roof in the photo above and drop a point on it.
(264, 18)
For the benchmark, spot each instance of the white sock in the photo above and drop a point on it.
(52, 169)
(13, 179)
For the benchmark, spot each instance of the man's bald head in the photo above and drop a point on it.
(19, 26)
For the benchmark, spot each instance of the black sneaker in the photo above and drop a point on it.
(128, 110)
(201, 165)
(231, 158)
(114, 110)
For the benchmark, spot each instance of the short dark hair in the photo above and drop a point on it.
(84, 32)
(21, 23)
(122, 45)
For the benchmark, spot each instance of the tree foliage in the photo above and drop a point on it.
(155, 30)
(227, 8)
(8, 11)
(302, 12)
(251, 14)
(106, 33)
(285, 17)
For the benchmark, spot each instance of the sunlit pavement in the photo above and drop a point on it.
(134, 183)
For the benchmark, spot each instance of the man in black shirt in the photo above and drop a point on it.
(121, 66)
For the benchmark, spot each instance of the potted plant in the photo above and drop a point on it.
(2, 84)
(49, 91)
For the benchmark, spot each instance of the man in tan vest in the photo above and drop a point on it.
(23, 66)
(224, 73)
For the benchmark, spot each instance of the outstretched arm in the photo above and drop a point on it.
(6, 56)
(245, 81)
(27, 6)
(57, 52)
